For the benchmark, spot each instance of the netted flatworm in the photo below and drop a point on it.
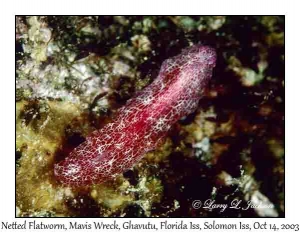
(143, 122)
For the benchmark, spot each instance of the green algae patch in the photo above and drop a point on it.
(40, 131)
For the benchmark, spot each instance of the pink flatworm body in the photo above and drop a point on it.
(143, 122)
